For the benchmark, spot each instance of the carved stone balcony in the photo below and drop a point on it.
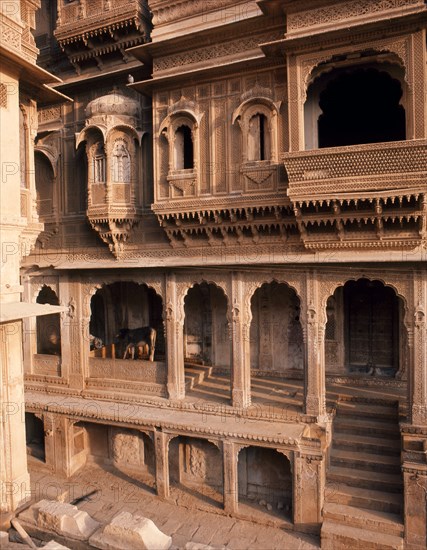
(259, 210)
(92, 29)
(369, 195)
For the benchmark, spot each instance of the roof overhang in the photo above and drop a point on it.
(32, 77)
(13, 311)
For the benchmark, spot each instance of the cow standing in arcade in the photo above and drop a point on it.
(137, 339)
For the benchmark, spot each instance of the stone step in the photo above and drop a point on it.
(365, 461)
(196, 374)
(375, 444)
(366, 427)
(378, 481)
(336, 536)
(370, 520)
(366, 410)
(339, 493)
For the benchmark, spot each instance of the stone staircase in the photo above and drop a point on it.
(195, 374)
(363, 497)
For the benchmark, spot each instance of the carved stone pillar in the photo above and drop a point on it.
(161, 446)
(61, 445)
(49, 440)
(309, 482)
(29, 331)
(229, 454)
(241, 364)
(314, 324)
(414, 441)
(295, 105)
(68, 318)
(174, 325)
(78, 319)
(14, 477)
(417, 89)
(419, 370)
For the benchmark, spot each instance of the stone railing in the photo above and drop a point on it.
(47, 364)
(377, 168)
(153, 372)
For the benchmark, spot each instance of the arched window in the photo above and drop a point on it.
(258, 138)
(355, 105)
(258, 118)
(98, 174)
(44, 185)
(184, 149)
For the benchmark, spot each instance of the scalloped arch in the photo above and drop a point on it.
(82, 136)
(272, 105)
(127, 128)
(50, 155)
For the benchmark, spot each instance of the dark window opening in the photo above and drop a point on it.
(359, 107)
(34, 435)
(258, 143)
(184, 148)
(48, 326)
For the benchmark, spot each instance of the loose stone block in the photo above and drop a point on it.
(62, 518)
(53, 545)
(130, 532)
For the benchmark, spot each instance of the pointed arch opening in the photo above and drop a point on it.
(195, 470)
(356, 105)
(207, 346)
(264, 483)
(276, 346)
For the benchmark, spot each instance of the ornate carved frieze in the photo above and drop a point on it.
(224, 49)
(350, 13)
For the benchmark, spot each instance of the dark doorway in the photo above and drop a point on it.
(361, 106)
(372, 321)
(34, 433)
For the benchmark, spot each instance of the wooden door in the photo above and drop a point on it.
(371, 326)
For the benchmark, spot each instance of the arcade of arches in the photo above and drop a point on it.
(247, 347)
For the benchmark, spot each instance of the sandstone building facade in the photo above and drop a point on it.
(249, 179)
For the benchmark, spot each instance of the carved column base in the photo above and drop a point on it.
(176, 391)
(419, 415)
(241, 399)
(315, 406)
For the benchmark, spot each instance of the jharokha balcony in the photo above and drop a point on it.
(90, 30)
(360, 196)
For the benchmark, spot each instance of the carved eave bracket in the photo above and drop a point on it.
(223, 225)
(114, 231)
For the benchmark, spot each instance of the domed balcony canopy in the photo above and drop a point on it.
(111, 111)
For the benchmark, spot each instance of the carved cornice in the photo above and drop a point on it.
(225, 224)
(338, 15)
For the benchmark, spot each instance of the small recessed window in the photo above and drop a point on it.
(184, 153)
(258, 138)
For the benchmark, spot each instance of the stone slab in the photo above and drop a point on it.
(128, 531)
(53, 545)
(62, 518)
